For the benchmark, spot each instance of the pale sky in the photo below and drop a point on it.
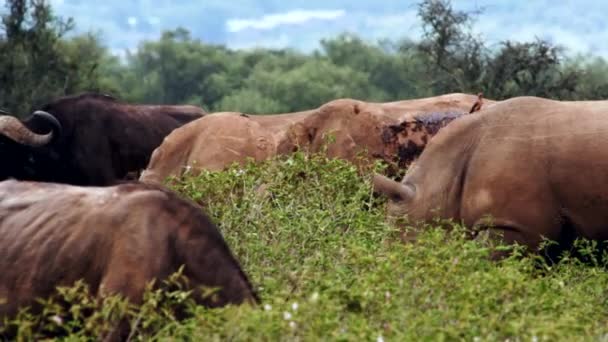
(578, 25)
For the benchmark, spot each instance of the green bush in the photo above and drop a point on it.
(314, 243)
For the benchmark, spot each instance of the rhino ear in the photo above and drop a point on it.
(392, 189)
(302, 135)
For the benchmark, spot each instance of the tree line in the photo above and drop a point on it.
(38, 62)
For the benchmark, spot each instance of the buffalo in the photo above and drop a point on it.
(115, 238)
(86, 139)
(519, 171)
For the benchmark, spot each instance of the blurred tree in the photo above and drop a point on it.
(593, 82)
(530, 69)
(250, 101)
(395, 72)
(179, 69)
(457, 59)
(307, 86)
(36, 63)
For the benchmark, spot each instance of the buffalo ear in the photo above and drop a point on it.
(392, 189)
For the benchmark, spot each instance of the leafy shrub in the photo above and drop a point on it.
(313, 239)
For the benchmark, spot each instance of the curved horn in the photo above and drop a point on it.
(51, 120)
(15, 130)
(394, 190)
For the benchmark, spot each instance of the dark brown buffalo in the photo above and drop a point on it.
(523, 169)
(116, 238)
(88, 139)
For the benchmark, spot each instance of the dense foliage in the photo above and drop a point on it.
(314, 242)
(38, 63)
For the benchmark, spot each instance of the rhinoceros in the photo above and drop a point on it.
(218, 140)
(395, 132)
(520, 171)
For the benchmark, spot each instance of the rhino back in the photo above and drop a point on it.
(548, 155)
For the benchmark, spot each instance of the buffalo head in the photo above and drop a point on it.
(22, 143)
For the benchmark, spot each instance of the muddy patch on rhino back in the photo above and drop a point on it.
(404, 142)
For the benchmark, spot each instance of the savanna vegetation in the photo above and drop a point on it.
(326, 266)
(307, 230)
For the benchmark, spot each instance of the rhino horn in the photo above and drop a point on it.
(394, 190)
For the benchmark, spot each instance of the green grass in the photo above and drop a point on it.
(315, 245)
